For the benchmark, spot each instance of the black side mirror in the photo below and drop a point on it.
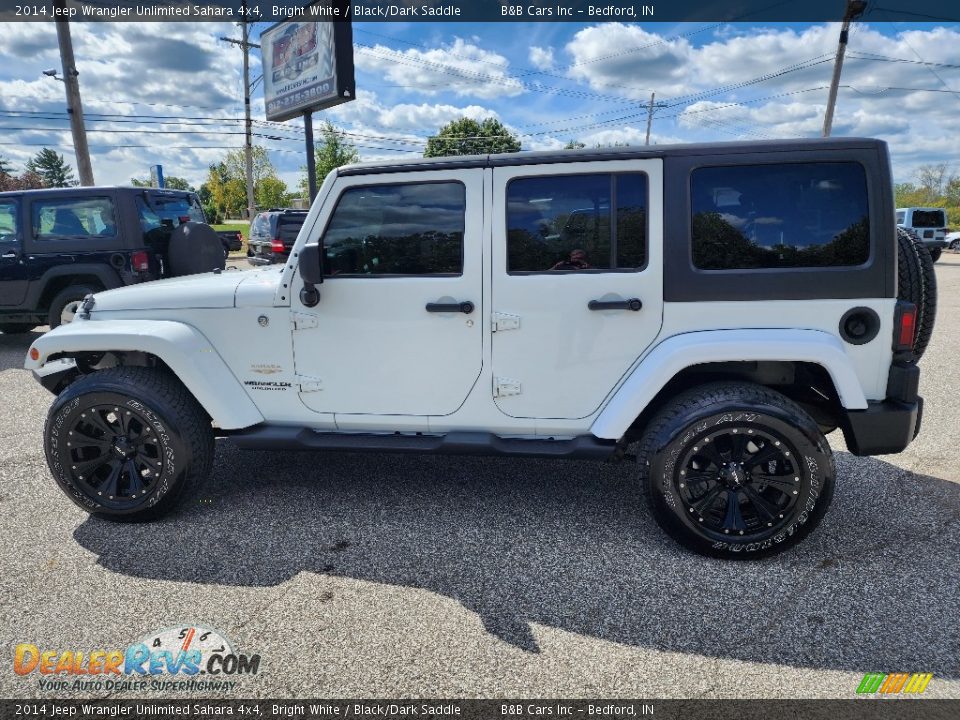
(311, 271)
(310, 268)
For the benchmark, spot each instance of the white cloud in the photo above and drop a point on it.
(460, 67)
(541, 58)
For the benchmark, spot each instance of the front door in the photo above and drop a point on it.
(13, 273)
(398, 328)
(577, 282)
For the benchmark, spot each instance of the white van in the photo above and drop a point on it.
(929, 224)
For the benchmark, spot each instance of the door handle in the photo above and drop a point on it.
(465, 307)
(633, 304)
(10, 255)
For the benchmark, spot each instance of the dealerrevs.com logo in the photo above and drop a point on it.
(185, 657)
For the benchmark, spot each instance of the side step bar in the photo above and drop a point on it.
(266, 437)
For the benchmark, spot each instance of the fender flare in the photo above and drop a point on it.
(107, 276)
(183, 348)
(683, 351)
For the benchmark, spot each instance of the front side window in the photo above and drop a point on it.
(9, 222)
(74, 217)
(398, 229)
(577, 222)
(780, 216)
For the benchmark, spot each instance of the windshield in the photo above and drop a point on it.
(929, 218)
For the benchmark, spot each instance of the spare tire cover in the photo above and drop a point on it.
(195, 248)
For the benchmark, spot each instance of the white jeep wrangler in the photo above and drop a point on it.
(714, 308)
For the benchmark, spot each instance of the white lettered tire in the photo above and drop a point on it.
(736, 470)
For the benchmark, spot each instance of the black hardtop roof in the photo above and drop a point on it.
(79, 189)
(543, 157)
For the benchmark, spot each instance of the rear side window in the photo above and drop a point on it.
(74, 217)
(399, 229)
(900, 217)
(288, 227)
(9, 223)
(577, 222)
(929, 219)
(177, 208)
(780, 216)
(260, 226)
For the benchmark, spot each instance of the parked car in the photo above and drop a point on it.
(716, 309)
(272, 235)
(929, 224)
(953, 240)
(232, 240)
(59, 245)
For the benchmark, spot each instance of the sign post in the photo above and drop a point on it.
(311, 157)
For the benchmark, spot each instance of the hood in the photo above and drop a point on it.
(208, 290)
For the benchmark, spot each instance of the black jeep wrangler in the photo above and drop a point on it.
(58, 245)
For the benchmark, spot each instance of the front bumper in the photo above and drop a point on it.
(887, 426)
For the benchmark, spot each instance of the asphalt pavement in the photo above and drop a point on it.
(385, 576)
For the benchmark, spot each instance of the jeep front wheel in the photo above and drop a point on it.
(64, 306)
(736, 470)
(125, 443)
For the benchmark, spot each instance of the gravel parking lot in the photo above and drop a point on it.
(375, 576)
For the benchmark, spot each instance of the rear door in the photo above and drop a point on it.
(13, 273)
(577, 282)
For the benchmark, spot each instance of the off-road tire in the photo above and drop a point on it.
(917, 284)
(173, 427)
(794, 482)
(66, 297)
(16, 328)
(935, 254)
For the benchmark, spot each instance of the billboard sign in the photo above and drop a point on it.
(307, 65)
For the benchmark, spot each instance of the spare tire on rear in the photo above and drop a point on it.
(195, 248)
(917, 284)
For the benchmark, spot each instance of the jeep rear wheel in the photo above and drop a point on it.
(126, 443)
(66, 304)
(736, 470)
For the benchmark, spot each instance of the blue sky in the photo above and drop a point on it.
(175, 90)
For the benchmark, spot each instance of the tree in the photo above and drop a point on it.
(574, 145)
(172, 182)
(6, 167)
(332, 152)
(466, 136)
(52, 168)
(932, 178)
(227, 185)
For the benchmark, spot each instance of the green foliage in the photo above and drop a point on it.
(172, 183)
(332, 151)
(225, 190)
(935, 187)
(466, 136)
(574, 145)
(6, 167)
(52, 168)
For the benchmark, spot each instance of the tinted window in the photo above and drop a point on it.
(900, 217)
(557, 223)
(9, 224)
(74, 217)
(288, 227)
(403, 229)
(178, 208)
(929, 219)
(775, 216)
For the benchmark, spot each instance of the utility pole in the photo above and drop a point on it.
(245, 45)
(854, 10)
(74, 106)
(650, 117)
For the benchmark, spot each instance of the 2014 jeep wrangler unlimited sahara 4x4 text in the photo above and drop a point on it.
(714, 308)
